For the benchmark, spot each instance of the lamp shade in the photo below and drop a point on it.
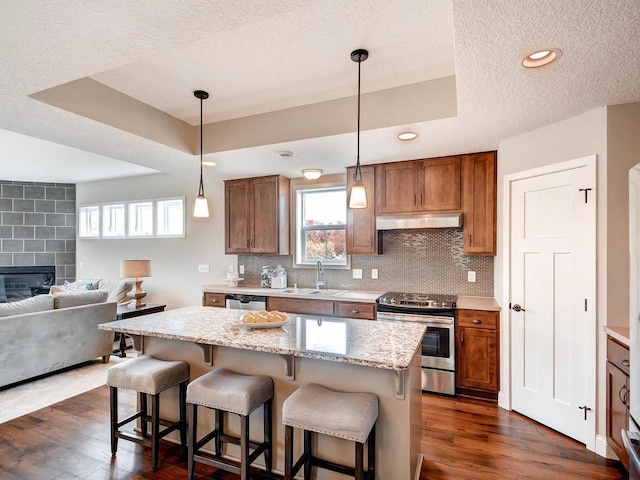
(201, 207)
(135, 268)
(358, 196)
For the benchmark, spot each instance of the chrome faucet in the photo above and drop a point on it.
(321, 280)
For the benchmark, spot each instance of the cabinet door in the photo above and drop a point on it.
(366, 311)
(237, 217)
(265, 215)
(362, 238)
(396, 188)
(617, 418)
(300, 305)
(479, 204)
(213, 299)
(477, 359)
(439, 185)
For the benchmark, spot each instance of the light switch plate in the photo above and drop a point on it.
(357, 273)
(203, 268)
(471, 276)
(241, 269)
(230, 269)
(374, 273)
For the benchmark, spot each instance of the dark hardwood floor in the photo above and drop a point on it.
(462, 439)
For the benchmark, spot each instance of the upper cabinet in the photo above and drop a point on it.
(479, 203)
(362, 238)
(257, 215)
(419, 186)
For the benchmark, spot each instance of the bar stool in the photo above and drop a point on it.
(148, 376)
(352, 416)
(225, 391)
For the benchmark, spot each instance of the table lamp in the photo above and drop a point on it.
(136, 269)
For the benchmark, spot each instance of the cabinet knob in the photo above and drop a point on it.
(476, 321)
(355, 311)
(214, 300)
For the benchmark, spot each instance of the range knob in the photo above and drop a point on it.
(445, 304)
(392, 301)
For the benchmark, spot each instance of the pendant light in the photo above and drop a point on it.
(201, 207)
(358, 194)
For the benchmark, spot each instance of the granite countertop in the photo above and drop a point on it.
(621, 334)
(487, 304)
(387, 345)
(323, 294)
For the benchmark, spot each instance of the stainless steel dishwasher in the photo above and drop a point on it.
(245, 302)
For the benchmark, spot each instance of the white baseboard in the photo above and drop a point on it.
(603, 449)
(418, 467)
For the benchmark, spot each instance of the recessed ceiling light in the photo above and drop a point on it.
(208, 163)
(407, 135)
(312, 173)
(541, 57)
(285, 155)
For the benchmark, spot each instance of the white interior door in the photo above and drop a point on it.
(634, 284)
(552, 234)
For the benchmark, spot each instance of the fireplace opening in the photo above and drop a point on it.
(20, 282)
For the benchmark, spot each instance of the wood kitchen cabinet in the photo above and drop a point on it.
(617, 397)
(477, 358)
(479, 203)
(328, 308)
(362, 237)
(419, 186)
(213, 299)
(257, 215)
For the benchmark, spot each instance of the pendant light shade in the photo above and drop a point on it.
(358, 194)
(201, 207)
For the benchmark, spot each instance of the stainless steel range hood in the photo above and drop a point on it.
(427, 220)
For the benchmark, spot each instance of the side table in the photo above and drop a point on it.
(125, 312)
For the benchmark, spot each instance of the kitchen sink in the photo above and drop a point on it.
(327, 291)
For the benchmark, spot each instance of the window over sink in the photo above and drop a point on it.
(321, 225)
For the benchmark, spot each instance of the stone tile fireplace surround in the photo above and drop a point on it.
(38, 226)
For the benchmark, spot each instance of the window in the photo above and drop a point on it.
(170, 217)
(113, 220)
(160, 218)
(321, 226)
(140, 219)
(89, 221)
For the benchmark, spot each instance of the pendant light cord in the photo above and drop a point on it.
(358, 175)
(201, 189)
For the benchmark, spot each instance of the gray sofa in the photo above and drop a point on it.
(46, 333)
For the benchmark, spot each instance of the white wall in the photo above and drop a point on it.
(175, 280)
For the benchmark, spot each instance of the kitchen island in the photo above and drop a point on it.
(343, 354)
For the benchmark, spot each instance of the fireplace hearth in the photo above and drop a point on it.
(20, 282)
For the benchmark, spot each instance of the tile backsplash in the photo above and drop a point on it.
(427, 261)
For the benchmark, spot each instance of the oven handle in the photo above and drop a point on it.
(415, 318)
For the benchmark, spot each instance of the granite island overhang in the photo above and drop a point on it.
(343, 354)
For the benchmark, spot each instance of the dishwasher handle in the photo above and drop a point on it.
(242, 298)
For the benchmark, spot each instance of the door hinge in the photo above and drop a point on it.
(509, 305)
(586, 409)
(586, 193)
(585, 305)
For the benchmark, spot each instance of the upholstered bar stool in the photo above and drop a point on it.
(316, 409)
(225, 391)
(148, 376)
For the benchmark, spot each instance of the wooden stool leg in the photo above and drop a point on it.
(142, 399)
(183, 415)
(308, 452)
(244, 447)
(359, 473)
(288, 452)
(268, 405)
(193, 438)
(371, 452)
(113, 404)
(155, 430)
(219, 419)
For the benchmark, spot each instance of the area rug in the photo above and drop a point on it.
(32, 396)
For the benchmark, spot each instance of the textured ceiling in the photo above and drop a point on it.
(257, 57)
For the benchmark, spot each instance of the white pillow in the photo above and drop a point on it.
(80, 285)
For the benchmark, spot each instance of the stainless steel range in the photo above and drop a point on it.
(437, 312)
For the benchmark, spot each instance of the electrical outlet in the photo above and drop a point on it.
(230, 269)
(357, 273)
(203, 268)
(471, 276)
(374, 273)
(241, 271)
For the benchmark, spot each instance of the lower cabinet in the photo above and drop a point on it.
(213, 299)
(617, 397)
(364, 311)
(477, 358)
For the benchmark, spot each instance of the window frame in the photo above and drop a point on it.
(155, 218)
(298, 190)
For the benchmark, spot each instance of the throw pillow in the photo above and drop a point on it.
(39, 303)
(78, 285)
(117, 290)
(78, 298)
